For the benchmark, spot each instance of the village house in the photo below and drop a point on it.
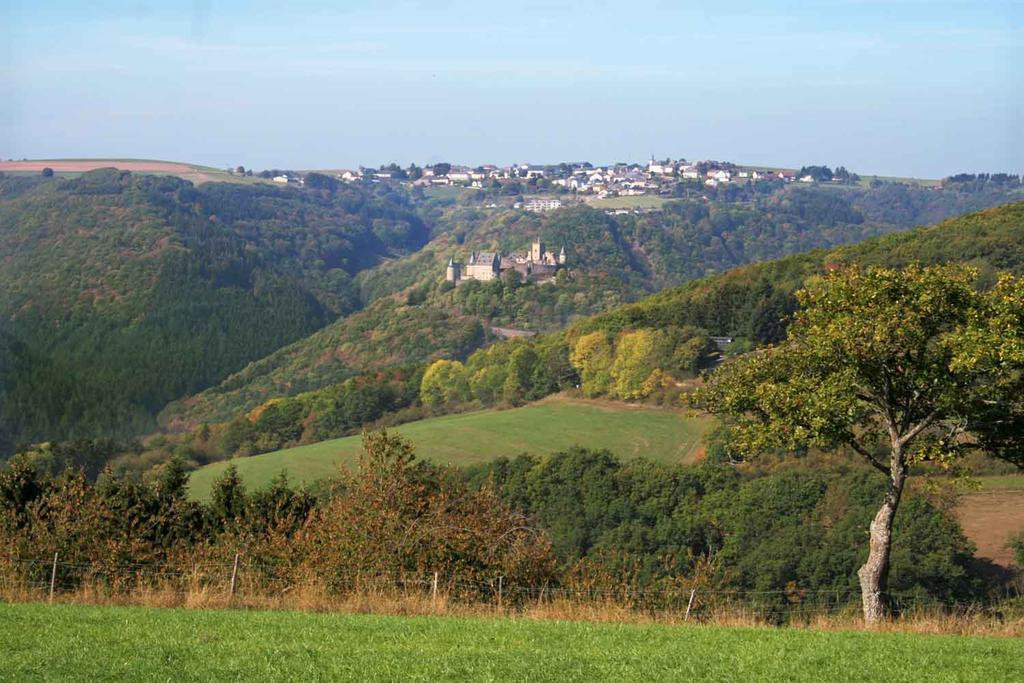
(531, 171)
(541, 204)
(570, 183)
(633, 179)
(659, 168)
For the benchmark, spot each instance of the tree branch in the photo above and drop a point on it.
(918, 428)
(867, 455)
(867, 398)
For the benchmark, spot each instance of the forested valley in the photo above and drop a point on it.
(125, 293)
(121, 292)
(647, 351)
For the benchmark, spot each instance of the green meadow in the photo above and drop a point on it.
(469, 438)
(1001, 482)
(629, 202)
(83, 643)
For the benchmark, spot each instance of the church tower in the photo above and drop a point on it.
(561, 256)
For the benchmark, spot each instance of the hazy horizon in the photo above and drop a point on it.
(908, 88)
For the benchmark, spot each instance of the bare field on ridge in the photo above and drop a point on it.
(191, 172)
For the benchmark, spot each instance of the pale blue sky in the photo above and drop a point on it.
(902, 88)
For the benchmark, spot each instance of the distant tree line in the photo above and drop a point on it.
(978, 182)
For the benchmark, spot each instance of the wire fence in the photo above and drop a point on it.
(250, 581)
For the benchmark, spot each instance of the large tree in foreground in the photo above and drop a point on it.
(901, 366)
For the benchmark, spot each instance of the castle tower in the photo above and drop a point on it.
(537, 251)
(452, 273)
(561, 256)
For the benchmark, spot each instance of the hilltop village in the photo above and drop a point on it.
(536, 265)
(541, 188)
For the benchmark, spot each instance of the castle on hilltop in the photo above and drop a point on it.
(536, 264)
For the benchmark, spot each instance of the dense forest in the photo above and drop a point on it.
(158, 289)
(753, 302)
(799, 528)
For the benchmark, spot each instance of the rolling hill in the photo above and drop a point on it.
(554, 424)
(121, 292)
(613, 261)
(752, 302)
(124, 295)
(648, 347)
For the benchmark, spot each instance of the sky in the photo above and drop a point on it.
(903, 88)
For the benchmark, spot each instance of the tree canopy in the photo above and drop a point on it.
(902, 366)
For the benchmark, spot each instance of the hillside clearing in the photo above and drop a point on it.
(628, 431)
(129, 644)
(990, 520)
(634, 202)
(993, 514)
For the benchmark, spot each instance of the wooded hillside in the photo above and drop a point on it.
(121, 292)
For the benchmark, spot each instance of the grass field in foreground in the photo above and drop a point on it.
(72, 643)
(540, 428)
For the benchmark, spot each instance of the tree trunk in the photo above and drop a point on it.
(874, 575)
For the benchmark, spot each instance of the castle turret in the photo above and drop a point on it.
(537, 251)
(452, 273)
(561, 256)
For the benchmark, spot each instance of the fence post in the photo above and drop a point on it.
(693, 592)
(433, 589)
(500, 582)
(234, 576)
(53, 577)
